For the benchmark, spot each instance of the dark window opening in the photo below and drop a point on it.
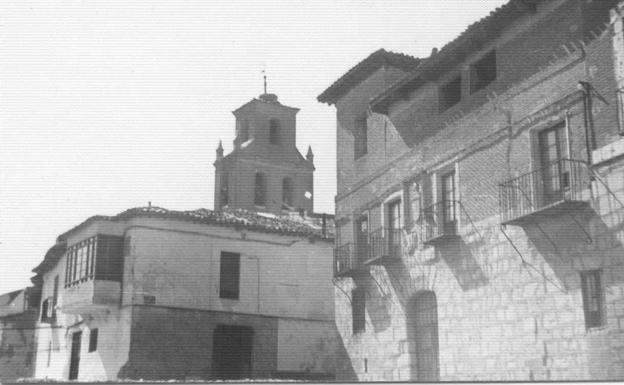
(229, 275)
(360, 137)
(483, 72)
(260, 189)
(93, 340)
(450, 94)
(274, 131)
(593, 298)
(287, 193)
(358, 310)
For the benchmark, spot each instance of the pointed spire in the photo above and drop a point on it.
(220, 150)
(310, 155)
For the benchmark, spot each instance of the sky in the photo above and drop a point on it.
(108, 105)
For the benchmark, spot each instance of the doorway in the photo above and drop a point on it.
(422, 325)
(231, 352)
(74, 361)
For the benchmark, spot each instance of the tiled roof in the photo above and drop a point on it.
(53, 255)
(310, 225)
(473, 37)
(363, 69)
(293, 224)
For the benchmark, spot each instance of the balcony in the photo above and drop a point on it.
(439, 223)
(91, 296)
(553, 190)
(384, 246)
(348, 263)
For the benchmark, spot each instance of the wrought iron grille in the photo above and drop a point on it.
(439, 220)
(385, 242)
(559, 181)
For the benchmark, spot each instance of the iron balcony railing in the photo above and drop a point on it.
(345, 260)
(564, 180)
(385, 243)
(439, 221)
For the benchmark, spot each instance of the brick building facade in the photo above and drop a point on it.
(265, 171)
(480, 201)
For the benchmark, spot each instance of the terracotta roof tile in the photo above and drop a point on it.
(363, 69)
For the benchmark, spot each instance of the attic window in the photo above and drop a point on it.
(450, 94)
(274, 128)
(483, 72)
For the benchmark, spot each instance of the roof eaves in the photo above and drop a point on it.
(484, 29)
(364, 68)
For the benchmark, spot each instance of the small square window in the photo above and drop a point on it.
(93, 340)
(450, 94)
(593, 298)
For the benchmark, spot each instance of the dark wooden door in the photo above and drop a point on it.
(231, 352)
(74, 361)
(394, 227)
(361, 238)
(426, 334)
(449, 220)
(554, 173)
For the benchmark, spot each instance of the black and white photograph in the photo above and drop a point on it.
(325, 191)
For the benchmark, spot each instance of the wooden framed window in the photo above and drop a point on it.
(229, 275)
(448, 201)
(358, 310)
(593, 298)
(103, 251)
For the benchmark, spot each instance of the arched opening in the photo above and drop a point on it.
(274, 131)
(224, 190)
(287, 193)
(260, 189)
(422, 334)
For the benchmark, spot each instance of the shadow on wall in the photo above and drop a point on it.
(577, 241)
(568, 248)
(377, 302)
(460, 259)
